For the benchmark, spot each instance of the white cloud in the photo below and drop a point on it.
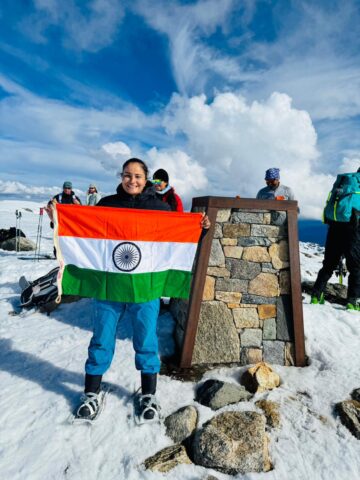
(350, 164)
(91, 28)
(113, 155)
(236, 142)
(188, 177)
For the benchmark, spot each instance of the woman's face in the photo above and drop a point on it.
(133, 179)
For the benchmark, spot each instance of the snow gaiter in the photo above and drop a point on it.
(92, 383)
(148, 383)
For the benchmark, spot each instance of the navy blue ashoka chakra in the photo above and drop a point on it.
(126, 256)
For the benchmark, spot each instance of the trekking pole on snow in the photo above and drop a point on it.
(17, 230)
(38, 235)
(341, 270)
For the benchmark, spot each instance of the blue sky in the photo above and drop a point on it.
(215, 91)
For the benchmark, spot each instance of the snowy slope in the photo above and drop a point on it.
(41, 376)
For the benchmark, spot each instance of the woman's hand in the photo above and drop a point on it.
(205, 222)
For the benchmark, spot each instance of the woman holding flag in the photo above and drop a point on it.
(134, 191)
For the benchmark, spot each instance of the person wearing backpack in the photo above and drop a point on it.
(342, 214)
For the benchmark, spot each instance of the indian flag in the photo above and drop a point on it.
(125, 255)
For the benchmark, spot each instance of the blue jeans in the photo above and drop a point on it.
(102, 345)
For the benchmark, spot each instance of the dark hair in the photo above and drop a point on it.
(140, 162)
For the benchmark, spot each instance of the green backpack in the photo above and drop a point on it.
(343, 198)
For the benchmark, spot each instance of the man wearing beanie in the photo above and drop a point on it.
(273, 189)
(67, 196)
(165, 192)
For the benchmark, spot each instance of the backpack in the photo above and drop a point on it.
(343, 199)
(40, 292)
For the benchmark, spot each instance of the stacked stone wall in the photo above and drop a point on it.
(246, 313)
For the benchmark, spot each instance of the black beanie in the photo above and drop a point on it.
(161, 174)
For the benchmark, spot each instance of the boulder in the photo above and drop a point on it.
(24, 245)
(233, 442)
(167, 459)
(349, 413)
(217, 394)
(181, 424)
(271, 411)
(260, 378)
(355, 394)
(7, 233)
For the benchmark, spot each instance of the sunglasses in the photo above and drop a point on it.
(156, 181)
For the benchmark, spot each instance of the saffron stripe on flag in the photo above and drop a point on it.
(123, 287)
(127, 224)
(97, 254)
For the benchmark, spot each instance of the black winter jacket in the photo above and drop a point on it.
(147, 200)
(66, 199)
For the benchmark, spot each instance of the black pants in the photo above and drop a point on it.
(342, 239)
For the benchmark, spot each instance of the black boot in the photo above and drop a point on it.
(149, 408)
(91, 401)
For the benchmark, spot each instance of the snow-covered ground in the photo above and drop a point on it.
(41, 377)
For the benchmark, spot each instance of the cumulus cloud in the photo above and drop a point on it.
(187, 176)
(113, 155)
(350, 164)
(236, 142)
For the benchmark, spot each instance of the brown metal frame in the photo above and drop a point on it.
(212, 205)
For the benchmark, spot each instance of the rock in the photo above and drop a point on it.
(349, 413)
(217, 340)
(233, 252)
(264, 231)
(229, 241)
(289, 353)
(284, 323)
(246, 317)
(269, 329)
(258, 300)
(181, 424)
(265, 284)
(167, 459)
(8, 233)
(256, 254)
(223, 215)
(355, 394)
(247, 217)
(236, 230)
(217, 394)
(24, 245)
(251, 241)
(271, 411)
(218, 231)
(279, 253)
(274, 351)
(250, 356)
(217, 258)
(218, 271)
(231, 285)
(251, 337)
(267, 311)
(209, 288)
(260, 378)
(232, 442)
(242, 269)
(334, 292)
(228, 297)
(278, 218)
(284, 282)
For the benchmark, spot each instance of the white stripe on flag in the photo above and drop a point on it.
(97, 254)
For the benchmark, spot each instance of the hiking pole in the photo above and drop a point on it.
(38, 235)
(17, 230)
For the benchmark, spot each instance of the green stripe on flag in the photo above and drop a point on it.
(125, 287)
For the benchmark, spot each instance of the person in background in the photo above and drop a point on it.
(93, 196)
(137, 192)
(165, 192)
(67, 196)
(274, 190)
